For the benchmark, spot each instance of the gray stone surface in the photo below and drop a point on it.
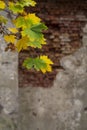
(8, 86)
(64, 105)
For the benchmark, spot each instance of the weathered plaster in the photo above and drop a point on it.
(8, 85)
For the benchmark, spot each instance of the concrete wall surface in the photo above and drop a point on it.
(8, 85)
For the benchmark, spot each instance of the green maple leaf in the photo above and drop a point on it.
(35, 44)
(20, 22)
(42, 63)
(23, 3)
(39, 27)
(35, 63)
(39, 63)
(28, 63)
(16, 8)
(31, 34)
(35, 35)
(35, 31)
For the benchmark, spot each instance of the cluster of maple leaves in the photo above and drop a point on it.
(27, 32)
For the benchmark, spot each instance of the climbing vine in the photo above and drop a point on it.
(27, 31)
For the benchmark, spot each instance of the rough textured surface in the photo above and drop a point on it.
(8, 86)
(64, 105)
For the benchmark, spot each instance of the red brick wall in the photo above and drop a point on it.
(65, 21)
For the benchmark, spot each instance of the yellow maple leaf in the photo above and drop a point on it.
(3, 19)
(33, 3)
(22, 43)
(10, 38)
(43, 41)
(33, 18)
(13, 30)
(2, 5)
(48, 68)
(46, 59)
(48, 64)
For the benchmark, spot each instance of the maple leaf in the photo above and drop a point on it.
(47, 68)
(39, 27)
(22, 43)
(16, 8)
(37, 42)
(31, 28)
(46, 59)
(43, 40)
(32, 18)
(35, 63)
(26, 21)
(34, 32)
(13, 30)
(10, 38)
(2, 5)
(31, 34)
(26, 3)
(20, 22)
(42, 63)
(39, 64)
(30, 2)
(48, 64)
(35, 35)
(3, 19)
